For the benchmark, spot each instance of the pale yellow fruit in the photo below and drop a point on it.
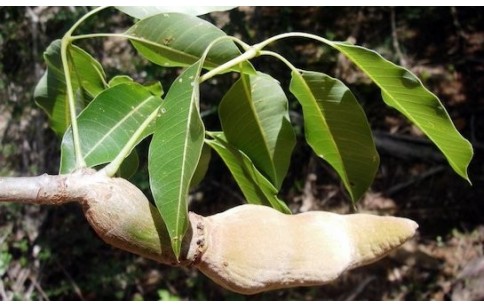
(251, 249)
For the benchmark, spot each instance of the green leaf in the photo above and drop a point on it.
(50, 92)
(202, 166)
(141, 12)
(119, 79)
(88, 71)
(175, 152)
(337, 129)
(174, 39)
(107, 124)
(403, 91)
(50, 95)
(257, 189)
(154, 87)
(255, 119)
(129, 166)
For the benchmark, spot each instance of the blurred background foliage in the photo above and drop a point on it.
(50, 253)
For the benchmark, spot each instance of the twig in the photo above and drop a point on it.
(396, 44)
(360, 288)
(74, 285)
(457, 24)
(39, 289)
(22, 275)
(407, 147)
(397, 188)
(28, 293)
(3, 294)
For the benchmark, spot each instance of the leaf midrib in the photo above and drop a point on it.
(141, 40)
(407, 114)
(185, 148)
(123, 120)
(259, 125)
(314, 101)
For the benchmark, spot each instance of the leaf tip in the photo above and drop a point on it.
(461, 166)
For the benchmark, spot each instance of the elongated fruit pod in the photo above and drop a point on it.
(247, 249)
(251, 249)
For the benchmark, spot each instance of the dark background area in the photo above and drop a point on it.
(52, 253)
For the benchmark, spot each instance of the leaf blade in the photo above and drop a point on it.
(174, 39)
(255, 119)
(107, 124)
(337, 130)
(141, 12)
(88, 71)
(257, 189)
(50, 92)
(175, 152)
(403, 91)
(202, 166)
